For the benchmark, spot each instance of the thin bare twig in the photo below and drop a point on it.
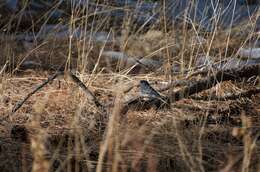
(75, 79)
(88, 93)
(3, 68)
(20, 103)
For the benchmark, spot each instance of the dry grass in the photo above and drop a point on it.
(59, 129)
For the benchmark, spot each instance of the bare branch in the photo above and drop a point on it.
(75, 79)
(247, 93)
(197, 87)
(88, 93)
(20, 103)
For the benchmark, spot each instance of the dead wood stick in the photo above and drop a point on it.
(247, 93)
(20, 103)
(211, 81)
(88, 93)
(176, 83)
(75, 79)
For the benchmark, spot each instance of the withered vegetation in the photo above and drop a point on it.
(92, 117)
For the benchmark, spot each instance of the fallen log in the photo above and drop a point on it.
(140, 103)
(245, 94)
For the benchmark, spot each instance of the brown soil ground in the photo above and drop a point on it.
(58, 128)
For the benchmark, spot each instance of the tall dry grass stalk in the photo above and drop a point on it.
(38, 139)
(110, 143)
(249, 143)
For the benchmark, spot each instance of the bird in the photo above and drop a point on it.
(146, 90)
